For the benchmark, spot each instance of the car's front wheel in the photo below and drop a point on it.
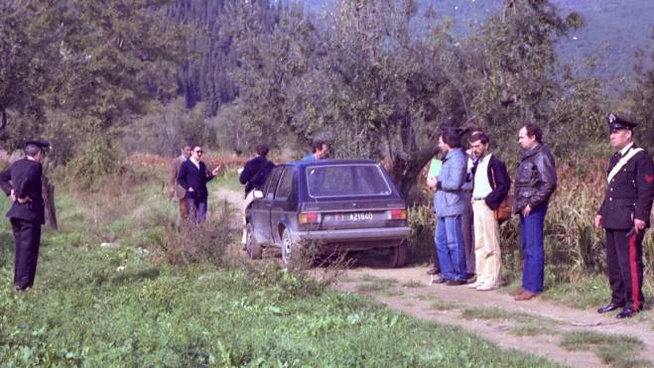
(252, 247)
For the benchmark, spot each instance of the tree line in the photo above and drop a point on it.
(376, 77)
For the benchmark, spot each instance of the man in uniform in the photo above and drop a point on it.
(624, 215)
(22, 181)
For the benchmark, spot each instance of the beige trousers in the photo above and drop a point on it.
(248, 199)
(487, 245)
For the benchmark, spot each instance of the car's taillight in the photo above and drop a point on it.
(396, 214)
(309, 218)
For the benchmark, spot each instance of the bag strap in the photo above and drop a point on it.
(623, 161)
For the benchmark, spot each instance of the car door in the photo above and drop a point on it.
(260, 210)
(282, 203)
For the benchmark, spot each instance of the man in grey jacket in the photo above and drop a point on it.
(449, 206)
(535, 182)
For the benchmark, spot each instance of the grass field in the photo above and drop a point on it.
(131, 303)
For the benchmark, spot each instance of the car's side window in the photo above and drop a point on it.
(285, 185)
(272, 182)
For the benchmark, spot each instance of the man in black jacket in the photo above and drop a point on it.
(625, 215)
(254, 176)
(491, 184)
(22, 181)
(535, 182)
(193, 177)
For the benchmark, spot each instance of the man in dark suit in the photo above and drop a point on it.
(22, 181)
(624, 215)
(193, 176)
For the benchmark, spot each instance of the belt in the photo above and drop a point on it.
(479, 199)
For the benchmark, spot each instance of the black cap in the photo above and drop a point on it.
(616, 122)
(41, 143)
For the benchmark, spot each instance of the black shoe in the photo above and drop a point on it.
(626, 313)
(434, 271)
(456, 282)
(609, 307)
(471, 276)
(439, 280)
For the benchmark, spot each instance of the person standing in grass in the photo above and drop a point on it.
(175, 190)
(449, 205)
(22, 182)
(193, 177)
(491, 184)
(254, 176)
(535, 182)
(625, 216)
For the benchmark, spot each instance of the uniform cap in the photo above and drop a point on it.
(41, 143)
(616, 122)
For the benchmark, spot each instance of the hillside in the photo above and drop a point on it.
(614, 33)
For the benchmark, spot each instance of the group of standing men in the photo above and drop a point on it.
(624, 213)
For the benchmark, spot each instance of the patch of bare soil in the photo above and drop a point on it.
(411, 292)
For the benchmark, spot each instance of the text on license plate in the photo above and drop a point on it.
(360, 216)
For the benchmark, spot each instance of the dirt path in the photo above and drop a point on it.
(536, 326)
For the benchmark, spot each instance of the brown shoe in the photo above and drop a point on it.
(525, 295)
(517, 291)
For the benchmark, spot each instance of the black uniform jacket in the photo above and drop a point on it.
(190, 176)
(24, 177)
(630, 193)
(255, 173)
(499, 180)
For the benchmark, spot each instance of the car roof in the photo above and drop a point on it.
(330, 162)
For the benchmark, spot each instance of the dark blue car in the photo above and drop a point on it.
(344, 205)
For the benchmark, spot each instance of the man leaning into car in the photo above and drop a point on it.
(449, 205)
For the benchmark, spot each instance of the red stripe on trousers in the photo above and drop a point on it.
(633, 268)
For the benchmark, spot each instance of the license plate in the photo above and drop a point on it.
(351, 217)
(360, 216)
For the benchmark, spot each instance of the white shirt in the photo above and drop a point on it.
(626, 149)
(482, 185)
(196, 163)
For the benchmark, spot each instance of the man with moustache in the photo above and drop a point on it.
(625, 215)
(534, 184)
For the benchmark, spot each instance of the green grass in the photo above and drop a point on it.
(616, 350)
(413, 284)
(532, 329)
(96, 307)
(377, 285)
(588, 292)
(497, 313)
(227, 179)
(443, 305)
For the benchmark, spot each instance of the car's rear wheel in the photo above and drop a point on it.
(252, 247)
(288, 248)
(399, 255)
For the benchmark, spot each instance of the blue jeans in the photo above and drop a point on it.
(197, 210)
(531, 239)
(451, 248)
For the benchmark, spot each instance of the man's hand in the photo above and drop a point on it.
(639, 225)
(13, 196)
(598, 221)
(24, 200)
(526, 211)
(216, 170)
(190, 189)
(431, 182)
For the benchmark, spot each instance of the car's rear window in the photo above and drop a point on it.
(346, 181)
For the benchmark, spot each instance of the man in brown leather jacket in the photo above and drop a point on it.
(175, 190)
(534, 184)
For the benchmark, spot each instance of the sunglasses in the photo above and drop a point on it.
(198, 151)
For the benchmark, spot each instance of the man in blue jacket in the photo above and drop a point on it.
(193, 177)
(449, 205)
